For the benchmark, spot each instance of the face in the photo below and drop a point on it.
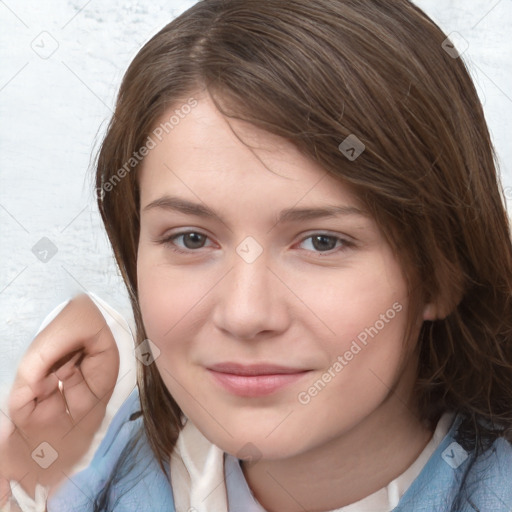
(277, 307)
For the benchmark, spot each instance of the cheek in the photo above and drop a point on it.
(365, 357)
(167, 302)
(364, 305)
(167, 298)
(372, 353)
(367, 318)
(157, 302)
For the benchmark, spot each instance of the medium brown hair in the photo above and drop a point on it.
(315, 72)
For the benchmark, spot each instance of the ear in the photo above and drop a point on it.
(452, 287)
(439, 309)
(430, 312)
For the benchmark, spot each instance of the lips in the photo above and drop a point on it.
(255, 379)
(254, 369)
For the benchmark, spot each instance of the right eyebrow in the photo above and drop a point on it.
(183, 206)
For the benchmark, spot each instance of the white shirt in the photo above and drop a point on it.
(241, 499)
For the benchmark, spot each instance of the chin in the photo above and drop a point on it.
(252, 442)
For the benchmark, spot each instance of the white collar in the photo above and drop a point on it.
(205, 479)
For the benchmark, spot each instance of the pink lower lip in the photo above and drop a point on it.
(255, 385)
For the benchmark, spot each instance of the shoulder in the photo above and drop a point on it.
(489, 481)
(125, 465)
(455, 479)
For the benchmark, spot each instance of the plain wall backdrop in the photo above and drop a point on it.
(61, 65)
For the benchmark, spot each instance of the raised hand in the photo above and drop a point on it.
(59, 397)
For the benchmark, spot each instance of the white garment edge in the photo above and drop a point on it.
(124, 337)
(199, 470)
(25, 502)
(197, 473)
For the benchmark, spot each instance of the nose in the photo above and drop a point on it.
(250, 301)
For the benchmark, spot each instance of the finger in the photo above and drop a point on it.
(43, 413)
(78, 398)
(80, 325)
(23, 399)
(68, 370)
(51, 352)
(26, 396)
(48, 414)
(81, 394)
(101, 371)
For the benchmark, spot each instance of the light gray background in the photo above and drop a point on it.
(54, 109)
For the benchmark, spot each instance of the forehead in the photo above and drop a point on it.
(207, 155)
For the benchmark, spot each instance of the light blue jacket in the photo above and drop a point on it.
(488, 482)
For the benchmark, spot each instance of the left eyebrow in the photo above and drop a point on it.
(301, 214)
(287, 215)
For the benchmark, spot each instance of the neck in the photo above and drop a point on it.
(347, 468)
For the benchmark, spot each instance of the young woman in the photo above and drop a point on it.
(303, 202)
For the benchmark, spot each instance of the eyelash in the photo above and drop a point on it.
(169, 242)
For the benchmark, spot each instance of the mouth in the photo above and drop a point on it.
(256, 379)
